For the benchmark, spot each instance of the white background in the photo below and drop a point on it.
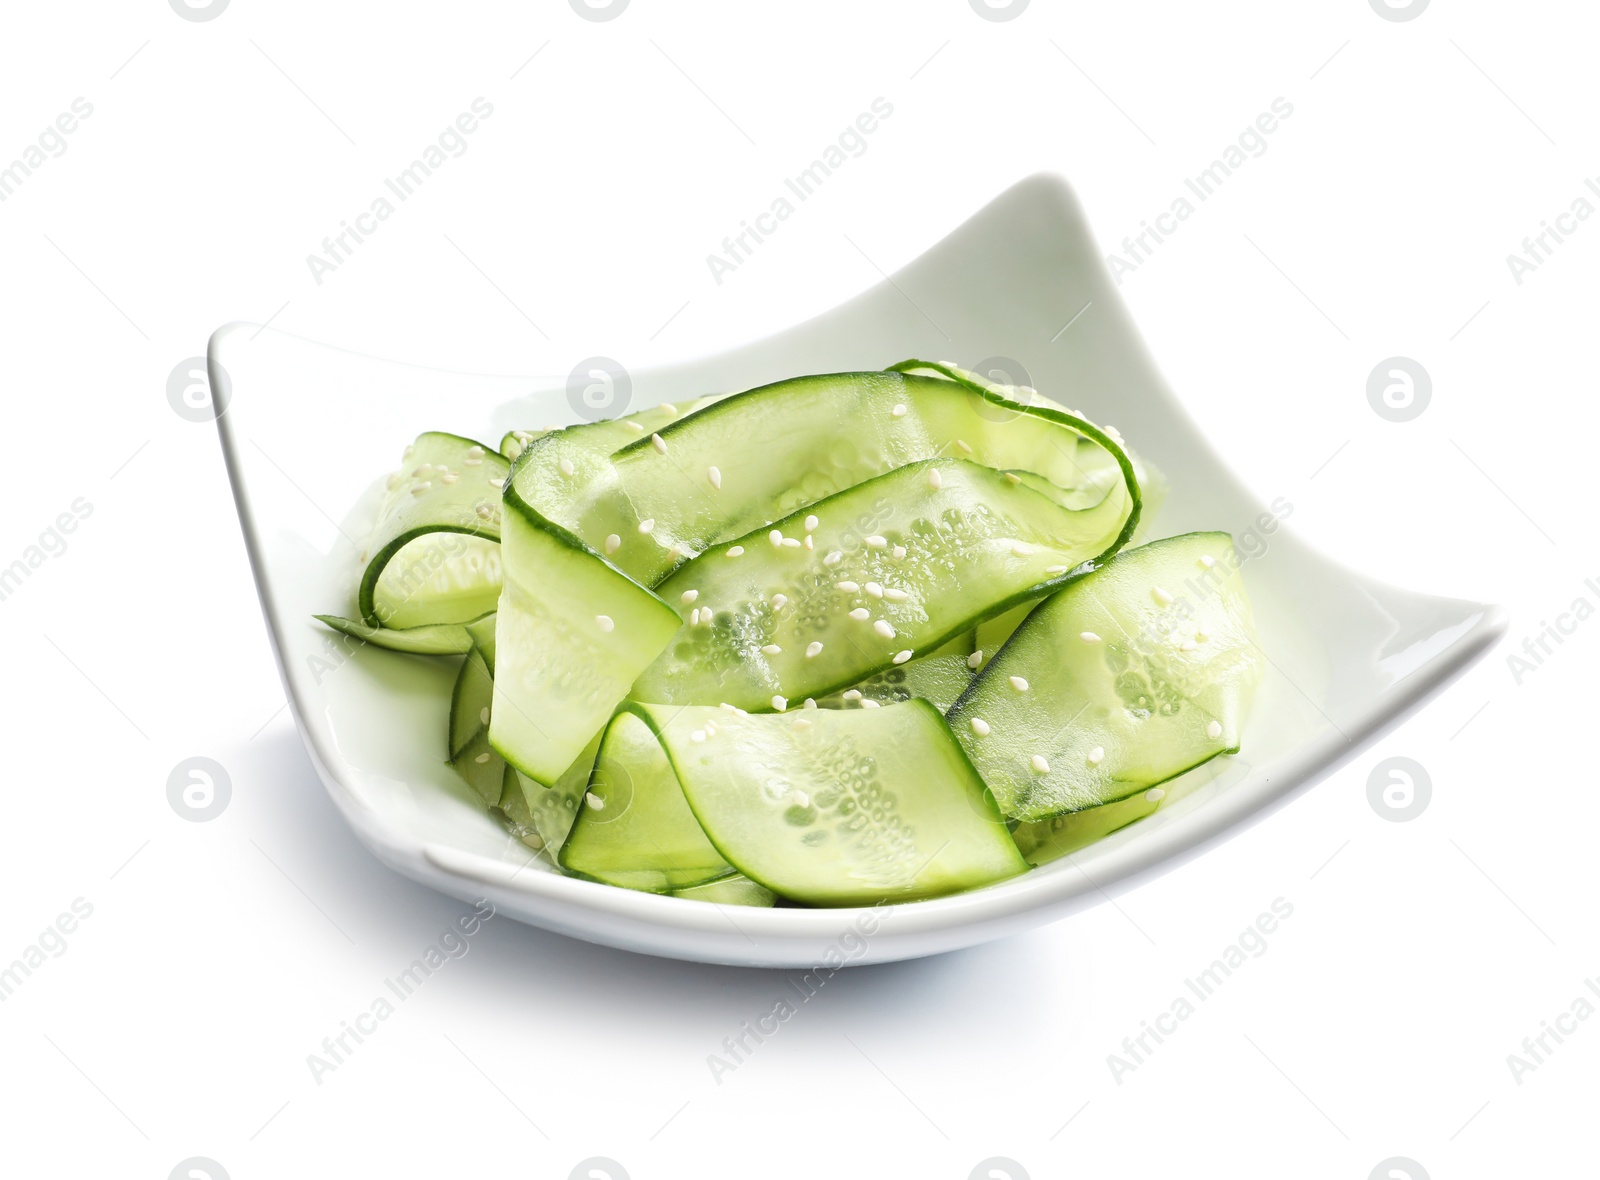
(220, 153)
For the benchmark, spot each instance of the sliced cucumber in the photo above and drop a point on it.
(1130, 675)
(838, 807)
(433, 554)
(899, 565)
(748, 459)
(734, 889)
(634, 828)
(433, 639)
(470, 753)
(550, 811)
(575, 633)
(1048, 839)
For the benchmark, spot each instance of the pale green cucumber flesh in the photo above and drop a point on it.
(1134, 673)
(432, 639)
(634, 828)
(572, 635)
(734, 889)
(960, 548)
(838, 807)
(433, 558)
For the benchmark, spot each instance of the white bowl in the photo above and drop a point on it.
(307, 428)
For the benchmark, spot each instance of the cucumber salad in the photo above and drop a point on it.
(837, 640)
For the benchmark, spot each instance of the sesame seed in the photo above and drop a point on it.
(775, 537)
(669, 408)
(736, 551)
(406, 454)
(861, 614)
(711, 729)
(811, 543)
(933, 478)
(875, 542)
(1154, 795)
(1019, 684)
(1088, 637)
(486, 511)
(604, 622)
(647, 525)
(813, 649)
(394, 479)
(497, 483)
(728, 707)
(483, 715)
(418, 488)
(633, 426)
(1201, 637)
(801, 725)
(1207, 561)
(1022, 550)
(698, 735)
(449, 477)
(901, 657)
(833, 558)
(979, 726)
(869, 704)
(715, 477)
(899, 411)
(1039, 764)
(800, 798)
(594, 801)
(1161, 596)
(688, 596)
(694, 617)
(1188, 645)
(474, 452)
(423, 472)
(778, 600)
(613, 543)
(965, 446)
(810, 704)
(1055, 569)
(898, 552)
(791, 542)
(883, 627)
(811, 524)
(847, 587)
(894, 595)
(873, 589)
(780, 703)
(1096, 754)
(481, 758)
(853, 695)
(566, 467)
(473, 460)
(771, 649)
(659, 443)
(975, 659)
(1214, 730)
(1013, 477)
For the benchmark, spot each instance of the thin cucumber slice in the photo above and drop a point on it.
(434, 639)
(576, 633)
(734, 889)
(951, 543)
(1130, 675)
(748, 459)
(514, 442)
(550, 811)
(433, 560)
(838, 807)
(634, 828)
(1049, 839)
(514, 807)
(938, 678)
(482, 633)
(470, 753)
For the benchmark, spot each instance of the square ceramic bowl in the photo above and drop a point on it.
(307, 428)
